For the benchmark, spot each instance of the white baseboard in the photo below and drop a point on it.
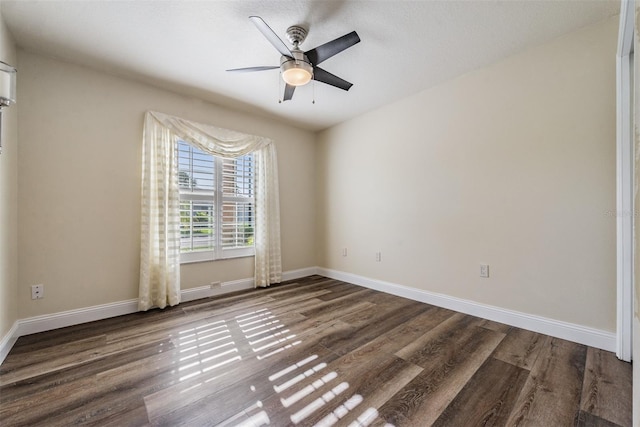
(297, 274)
(33, 325)
(555, 328)
(63, 319)
(8, 341)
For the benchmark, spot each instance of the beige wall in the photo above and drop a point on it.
(8, 199)
(79, 185)
(511, 165)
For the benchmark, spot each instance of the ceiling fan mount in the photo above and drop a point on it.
(299, 67)
(296, 35)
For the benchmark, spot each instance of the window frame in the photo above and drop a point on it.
(218, 198)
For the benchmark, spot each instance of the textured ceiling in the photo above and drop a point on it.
(407, 46)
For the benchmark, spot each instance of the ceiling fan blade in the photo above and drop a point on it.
(327, 50)
(288, 92)
(271, 36)
(248, 69)
(326, 77)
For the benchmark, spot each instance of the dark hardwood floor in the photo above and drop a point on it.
(314, 351)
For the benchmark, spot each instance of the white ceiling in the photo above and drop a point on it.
(407, 46)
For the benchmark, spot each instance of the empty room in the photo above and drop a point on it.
(318, 213)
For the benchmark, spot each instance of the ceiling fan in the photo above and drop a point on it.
(298, 67)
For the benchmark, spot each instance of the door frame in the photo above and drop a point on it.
(625, 212)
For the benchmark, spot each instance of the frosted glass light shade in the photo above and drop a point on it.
(7, 84)
(296, 76)
(296, 72)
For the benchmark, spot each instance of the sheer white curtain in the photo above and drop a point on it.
(160, 237)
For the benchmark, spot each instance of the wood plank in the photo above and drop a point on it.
(45, 340)
(495, 326)
(33, 359)
(338, 389)
(111, 408)
(387, 320)
(551, 395)
(334, 306)
(56, 379)
(586, 419)
(450, 354)
(41, 406)
(488, 398)
(383, 304)
(606, 379)
(374, 390)
(135, 417)
(339, 292)
(76, 359)
(520, 348)
(442, 341)
(408, 332)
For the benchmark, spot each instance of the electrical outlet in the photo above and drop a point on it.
(344, 252)
(37, 291)
(378, 256)
(484, 270)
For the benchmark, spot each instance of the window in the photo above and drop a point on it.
(217, 214)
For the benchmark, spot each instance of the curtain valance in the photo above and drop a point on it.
(217, 141)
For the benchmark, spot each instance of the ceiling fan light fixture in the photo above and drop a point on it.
(296, 72)
(298, 67)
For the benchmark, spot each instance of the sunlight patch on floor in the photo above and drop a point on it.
(280, 388)
(319, 402)
(300, 394)
(340, 412)
(292, 367)
(278, 350)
